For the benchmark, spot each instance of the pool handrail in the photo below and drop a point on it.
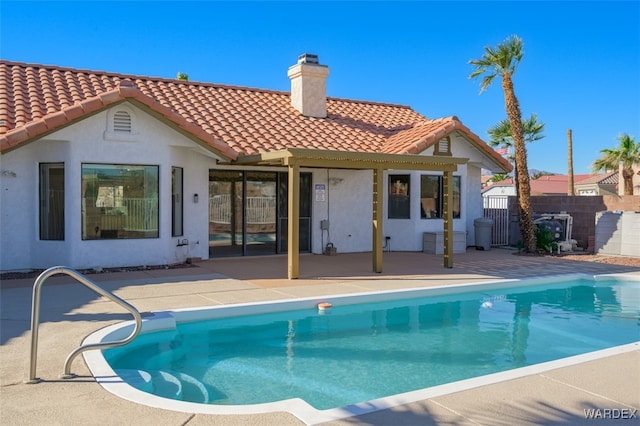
(35, 320)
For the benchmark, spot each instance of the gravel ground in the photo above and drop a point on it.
(613, 260)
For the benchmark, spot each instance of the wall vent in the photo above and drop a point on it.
(443, 146)
(121, 125)
(122, 122)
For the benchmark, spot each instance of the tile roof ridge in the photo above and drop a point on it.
(134, 77)
(431, 121)
(63, 68)
(361, 101)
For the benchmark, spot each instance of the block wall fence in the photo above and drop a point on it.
(583, 209)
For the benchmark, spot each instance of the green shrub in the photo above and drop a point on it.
(545, 240)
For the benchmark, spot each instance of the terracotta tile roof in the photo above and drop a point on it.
(554, 184)
(427, 132)
(38, 99)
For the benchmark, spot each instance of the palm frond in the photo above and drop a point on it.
(497, 61)
(627, 153)
(500, 133)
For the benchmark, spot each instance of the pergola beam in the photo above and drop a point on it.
(351, 160)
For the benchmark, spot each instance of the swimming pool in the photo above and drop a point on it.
(323, 365)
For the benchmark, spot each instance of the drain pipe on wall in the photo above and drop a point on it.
(326, 225)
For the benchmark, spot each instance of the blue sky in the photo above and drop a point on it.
(580, 71)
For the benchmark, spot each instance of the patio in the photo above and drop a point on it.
(70, 312)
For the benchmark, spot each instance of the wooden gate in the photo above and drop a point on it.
(496, 207)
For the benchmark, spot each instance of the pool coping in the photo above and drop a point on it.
(109, 380)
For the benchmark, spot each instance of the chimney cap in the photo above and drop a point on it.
(308, 58)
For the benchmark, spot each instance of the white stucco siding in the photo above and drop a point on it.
(348, 203)
(195, 215)
(472, 204)
(473, 196)
(348, 206)
(84, 142)
(407, 234)
(19, 220)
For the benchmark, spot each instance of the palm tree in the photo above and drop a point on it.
(571, 189)
(498, 177)
(627, 154)
(538, 175)
(500, 136)
(502, 61)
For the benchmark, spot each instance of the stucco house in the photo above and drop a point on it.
(598, 184)
(99, 169)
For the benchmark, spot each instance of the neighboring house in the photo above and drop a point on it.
(600, 184)
(495, 194)
(554, 184)
(501, 188)
(105, 170)
(583, 184)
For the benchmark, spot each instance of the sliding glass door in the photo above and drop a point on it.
(305, 213)
(225, 213)
(260, 213)
(248, 213)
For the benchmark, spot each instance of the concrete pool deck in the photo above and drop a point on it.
(70, 312)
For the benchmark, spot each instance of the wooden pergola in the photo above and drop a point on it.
(296, 158)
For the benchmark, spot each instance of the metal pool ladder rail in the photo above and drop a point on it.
(35, 320)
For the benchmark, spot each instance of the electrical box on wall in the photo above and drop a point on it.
(324, 224)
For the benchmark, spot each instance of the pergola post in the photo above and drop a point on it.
(293, 222)
(447, 189)
(378, 190)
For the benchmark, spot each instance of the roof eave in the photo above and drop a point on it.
(453, 124)
(67, 116)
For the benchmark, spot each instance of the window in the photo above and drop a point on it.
(399, 199)
(52, 201)
(119, 201)
(431, 199)
(177, 197)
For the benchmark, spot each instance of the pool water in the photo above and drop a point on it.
(360, 352)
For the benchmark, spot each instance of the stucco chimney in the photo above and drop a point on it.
(309, 86)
